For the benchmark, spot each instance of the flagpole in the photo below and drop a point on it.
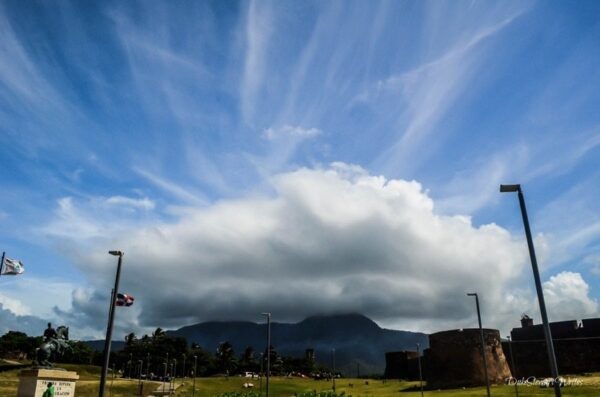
(111, 318)
(2, 263)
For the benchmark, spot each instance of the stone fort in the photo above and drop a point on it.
(453, 358)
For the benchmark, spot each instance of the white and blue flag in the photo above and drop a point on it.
(12, 267)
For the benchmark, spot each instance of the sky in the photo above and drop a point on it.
(299, 158)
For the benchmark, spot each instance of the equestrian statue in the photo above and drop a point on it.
(55, 345)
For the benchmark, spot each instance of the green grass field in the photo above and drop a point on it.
(87, 386)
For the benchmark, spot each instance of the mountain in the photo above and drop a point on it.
(359, 343)
(98, 345)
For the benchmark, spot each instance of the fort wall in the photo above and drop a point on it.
(454, 358)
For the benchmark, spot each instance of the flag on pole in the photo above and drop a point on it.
(124, 300)
(12, 267)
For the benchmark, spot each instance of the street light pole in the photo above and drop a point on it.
(485, 371)
(147, 366)
(512, 361)
(194, 386)
(262, 361)
(141, 364)
(420, 370)
(109, 328)
(333, 368)
(129, 365)
(268, 315)
(165, 374)
(538, 285)
(172, 379)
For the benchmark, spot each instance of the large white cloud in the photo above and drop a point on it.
(325, 241)
(567, 294)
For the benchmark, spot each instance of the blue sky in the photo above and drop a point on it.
(124, 121)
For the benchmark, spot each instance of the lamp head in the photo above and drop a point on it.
(116, 253)
(509, 188)
(472, 294)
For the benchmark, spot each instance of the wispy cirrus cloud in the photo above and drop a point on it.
(171, 188)
(428, 93)
(290, 132)
(258, 32)
(142, 203)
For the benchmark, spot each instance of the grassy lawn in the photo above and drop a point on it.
(209, 387)
(87, 386)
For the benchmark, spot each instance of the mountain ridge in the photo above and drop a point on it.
(359, 342)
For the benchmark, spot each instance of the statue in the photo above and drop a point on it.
(49, 333)
(55, 344)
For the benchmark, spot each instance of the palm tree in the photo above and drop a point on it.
(130, 339)
(158, 333)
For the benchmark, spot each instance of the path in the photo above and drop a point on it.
(160, 391)
(11, 362)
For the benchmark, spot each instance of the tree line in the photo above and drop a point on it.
(159, 354)
(157, 349)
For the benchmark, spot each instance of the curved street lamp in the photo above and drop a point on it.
(538, 285)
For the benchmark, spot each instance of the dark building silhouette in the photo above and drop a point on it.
(401, 365)
(577, 347)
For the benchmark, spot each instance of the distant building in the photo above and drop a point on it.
(402, 365)
(577, 347)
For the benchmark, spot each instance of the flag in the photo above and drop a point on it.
(124, 300)
(12, 267)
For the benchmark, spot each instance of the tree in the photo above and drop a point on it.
(130, 339)
(225, 358)
(276, 361)
(205, 362)
(248, 360)
(17, 343)
(158, 333)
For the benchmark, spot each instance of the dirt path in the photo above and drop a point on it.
(165, 389)
(11, 362)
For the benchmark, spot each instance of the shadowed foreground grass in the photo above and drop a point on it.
(87, 386)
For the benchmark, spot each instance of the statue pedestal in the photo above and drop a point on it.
(34, 382)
